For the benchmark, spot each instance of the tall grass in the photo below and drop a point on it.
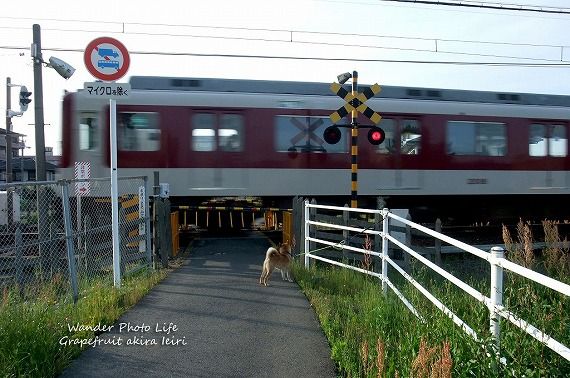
(30, 330)
(372, 335)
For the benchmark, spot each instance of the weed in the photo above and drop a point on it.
(30, 329)
(367, 258)
(380, 355)
(355, 315)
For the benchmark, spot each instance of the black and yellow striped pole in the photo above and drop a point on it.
(354, 147)
(355, 103)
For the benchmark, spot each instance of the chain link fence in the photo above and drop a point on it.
(57, 236)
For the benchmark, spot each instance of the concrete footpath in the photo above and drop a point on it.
(211, 318)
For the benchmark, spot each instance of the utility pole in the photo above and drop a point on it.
(43, 235)
(8, 132)
(8, 177)
(39, 105)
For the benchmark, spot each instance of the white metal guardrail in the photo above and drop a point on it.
(495, 257)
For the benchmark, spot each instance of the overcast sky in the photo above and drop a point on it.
(355, 30)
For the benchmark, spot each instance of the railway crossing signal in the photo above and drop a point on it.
(355, 103)
(332, 135)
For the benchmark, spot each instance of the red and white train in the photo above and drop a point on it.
(450, 151)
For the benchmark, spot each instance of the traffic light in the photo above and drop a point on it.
(332, 135)
(24, 98)
(376, 135)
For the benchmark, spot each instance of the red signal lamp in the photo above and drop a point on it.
(376, 135)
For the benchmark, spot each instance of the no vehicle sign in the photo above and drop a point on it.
(106, 58)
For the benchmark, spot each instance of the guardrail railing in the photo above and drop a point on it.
(496, 259)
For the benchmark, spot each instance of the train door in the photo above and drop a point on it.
(403, 143)
(548, 141)
(217, 144)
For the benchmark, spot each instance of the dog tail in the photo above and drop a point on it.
(271, 252)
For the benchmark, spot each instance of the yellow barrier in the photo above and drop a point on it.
(175, 233)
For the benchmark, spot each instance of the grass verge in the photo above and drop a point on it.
(30, 330)
(376, 336)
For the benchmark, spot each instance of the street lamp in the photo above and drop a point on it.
(62, 68)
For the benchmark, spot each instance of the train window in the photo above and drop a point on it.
(389, 144)
(230, 132)
(558, 142)
(547, 140)
(305, 134)
(476, 138)
(203, 132)
(537, 140)
(87, 131)
(410, 137)
(138, 131)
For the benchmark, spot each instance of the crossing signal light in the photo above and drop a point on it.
(24, 98)
(376, 135)
(332, 135)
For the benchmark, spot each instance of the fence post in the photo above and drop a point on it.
(385, 231)
(155, 219)
(496, 294)
(299, 225)
(147, 212)
(313, 216)
(165, 236)
(295, 227)
(69, 240)
(438, 243)
(306, 233)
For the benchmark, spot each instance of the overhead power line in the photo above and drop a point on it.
(306, 37)
(300, 37)
(123, 28)
(289, 57)
(488, 5)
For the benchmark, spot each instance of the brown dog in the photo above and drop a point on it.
(280, 259)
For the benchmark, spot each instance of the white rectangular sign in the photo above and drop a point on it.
(82, 171)
(106, 90)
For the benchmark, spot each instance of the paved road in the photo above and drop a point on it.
(227, 325)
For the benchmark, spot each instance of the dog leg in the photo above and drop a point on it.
(270, 270)
(263, 277)
(263, 280)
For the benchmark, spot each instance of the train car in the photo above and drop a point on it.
(453, 153)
